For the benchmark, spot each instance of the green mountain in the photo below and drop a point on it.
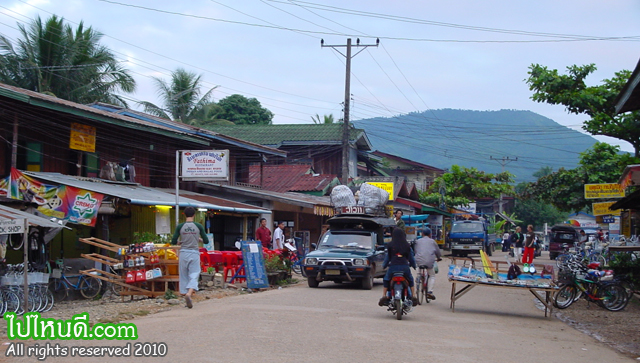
(480, 139)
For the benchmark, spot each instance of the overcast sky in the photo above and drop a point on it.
(459, 54)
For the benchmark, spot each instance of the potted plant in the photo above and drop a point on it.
(276, 269)
(209, 275)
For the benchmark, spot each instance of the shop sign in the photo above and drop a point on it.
(82, 137)
(610, 190)
(608, 220)
(256, 274)
(12, 226)
(602, 209)
(204, 165)
(388, 187)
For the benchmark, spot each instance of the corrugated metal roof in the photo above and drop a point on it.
(135, 193)
(288, 178)
(299, 199)
(12, 213)
(237, 206)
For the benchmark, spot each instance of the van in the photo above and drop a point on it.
(558, 236)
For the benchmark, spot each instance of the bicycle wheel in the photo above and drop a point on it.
(3, 304)
(563, 259)
(612, 297)
(50, 301)
(15, 241)
(90, 287)
(12, 300)
(565, 296)
(59, 289)
(116, 289)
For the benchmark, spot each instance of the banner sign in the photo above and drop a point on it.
(204, 164)
(12, 226)
(602, 209)
(254, 265)
(82, 137)
(595, 191)
(388, 187)
(60, 201)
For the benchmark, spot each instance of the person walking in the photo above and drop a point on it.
(517, 240)
(427, 253)
(263, 234)
(529, 248)
(188, 235)
(506, 243)
(278, 237)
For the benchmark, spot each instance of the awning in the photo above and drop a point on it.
(135, 193)
(223, 204)
(33, 220)
(631, 201)
(423, 207)
(506, 218)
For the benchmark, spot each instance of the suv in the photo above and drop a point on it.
(560, 235)
(352, 250)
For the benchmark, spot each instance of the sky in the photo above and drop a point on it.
(460, 54)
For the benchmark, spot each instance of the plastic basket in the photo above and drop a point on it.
(56, 273)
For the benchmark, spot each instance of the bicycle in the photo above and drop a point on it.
(422, 285)
(59, 285)
(294, 259)
(609, 295)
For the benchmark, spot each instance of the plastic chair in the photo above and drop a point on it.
(215, 260)
(230, 261)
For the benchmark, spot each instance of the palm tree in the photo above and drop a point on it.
(55, 59)
(328, 119)
(181, 97)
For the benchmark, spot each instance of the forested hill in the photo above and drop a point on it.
(445, 137)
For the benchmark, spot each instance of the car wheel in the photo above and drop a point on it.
(312, 282)
(367, 281)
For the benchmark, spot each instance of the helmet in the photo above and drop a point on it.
(426, 231)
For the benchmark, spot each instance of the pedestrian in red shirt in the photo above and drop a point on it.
(263, 234)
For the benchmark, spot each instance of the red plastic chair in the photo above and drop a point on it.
(215, 260)
(230, 261)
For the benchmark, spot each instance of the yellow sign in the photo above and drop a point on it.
(611, 190)
(602, 209)
(384, 186)
(82, 138)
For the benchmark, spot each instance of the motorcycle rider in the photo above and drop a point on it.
(399, 258)
(427, 253)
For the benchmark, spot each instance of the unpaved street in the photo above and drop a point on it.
(341, 323)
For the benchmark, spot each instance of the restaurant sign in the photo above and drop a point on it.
(610, 190)
(204, 165)
(602, 209)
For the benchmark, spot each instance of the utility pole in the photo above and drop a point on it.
(504, 161)
(347, 96)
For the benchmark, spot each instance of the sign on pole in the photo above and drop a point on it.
(610, 190)
(602, 209)
(254, 265)
(12, 226)
(205, 165)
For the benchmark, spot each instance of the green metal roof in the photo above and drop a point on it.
(296, 134)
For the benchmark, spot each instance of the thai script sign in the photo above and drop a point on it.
(82, 137)
(610, 190)
(602, 209)
(205, 164)
(256, 273)
(388, 187)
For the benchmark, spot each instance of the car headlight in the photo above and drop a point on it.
(311, 261)
(360, 262)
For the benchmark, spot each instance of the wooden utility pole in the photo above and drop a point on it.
(504, 161)
(347, 97)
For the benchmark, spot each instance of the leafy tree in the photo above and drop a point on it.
(544, 171)
(181, 98)
(68, 63)
(564, 189)
(328, 119)
(462, 185)
(207, 117)
(244, 111)
(538, 213)
(596, 102)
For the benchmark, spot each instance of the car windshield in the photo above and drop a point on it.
(360, 240)
(467, 228)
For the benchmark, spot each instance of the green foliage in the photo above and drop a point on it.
(274, 263)
(140, 237)
(55, 59)
(462, 185)
(170, 294)
(538, 213)
(623, 263)
(328, 119)
(596, 102)
(181, 100)
(564, 189)
(244, 111)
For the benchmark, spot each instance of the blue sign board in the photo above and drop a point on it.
(608, 220)
(254, 265)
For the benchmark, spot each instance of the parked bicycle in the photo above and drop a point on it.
(586, 283)
(12, 291)
(60, 284)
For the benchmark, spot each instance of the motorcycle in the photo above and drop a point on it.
(400, 302)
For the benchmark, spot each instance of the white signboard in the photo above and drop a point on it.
(205, 164)
(11, 226)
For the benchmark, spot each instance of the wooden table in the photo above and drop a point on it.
(468, 285)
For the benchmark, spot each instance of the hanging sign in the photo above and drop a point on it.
(204, 165)
(256, 273)
(12, 226)
(610, 190)
(602, 209)
(388, 187)
(82, 137)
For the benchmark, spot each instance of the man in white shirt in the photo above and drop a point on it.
(278, 237)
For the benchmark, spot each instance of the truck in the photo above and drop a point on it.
(351, 250)
(469, 237)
